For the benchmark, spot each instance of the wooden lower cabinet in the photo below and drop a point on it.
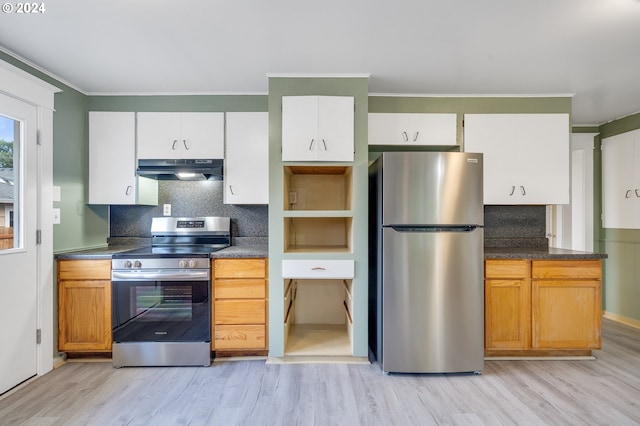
(543, 306)
(240, 301)
(84, 305)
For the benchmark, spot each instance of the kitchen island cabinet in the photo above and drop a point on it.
(542, 306)
(84, 305)
(240, 299)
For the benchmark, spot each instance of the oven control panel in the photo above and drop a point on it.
(164, 263)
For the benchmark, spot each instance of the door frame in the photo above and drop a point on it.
(27, 88)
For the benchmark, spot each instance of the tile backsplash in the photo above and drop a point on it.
(249, 224)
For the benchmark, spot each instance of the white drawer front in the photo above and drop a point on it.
(321, 269)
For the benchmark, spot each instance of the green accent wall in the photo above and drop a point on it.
(81, 226)
(621, 292)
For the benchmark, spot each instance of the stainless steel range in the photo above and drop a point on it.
(161, 304)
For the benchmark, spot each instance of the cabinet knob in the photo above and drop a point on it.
(128, 191)
(231, 190)
(184, 142)
(628, 194)
(415, 138)
(311, 144)
(325, 144)
(405, 136)
(513, 189)
(637, 194)
(522, 190)
(173, 145)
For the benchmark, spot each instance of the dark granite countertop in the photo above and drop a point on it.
(242, 251)
(539, 253)
(94, 253)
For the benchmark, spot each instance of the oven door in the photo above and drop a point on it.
(160, 310)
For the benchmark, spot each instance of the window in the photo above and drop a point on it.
(10, 133)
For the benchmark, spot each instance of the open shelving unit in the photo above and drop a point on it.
(317, 212)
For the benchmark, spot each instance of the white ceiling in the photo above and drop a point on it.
(589, 48)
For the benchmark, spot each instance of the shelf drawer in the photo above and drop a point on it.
(239, 312)
(84, 269)
(243, 288)
(240, 268)
(506, 268)
(240, 337)
(318, 269)
(567, 269)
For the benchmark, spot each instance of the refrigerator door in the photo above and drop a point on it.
(432, 301)
(432, 188)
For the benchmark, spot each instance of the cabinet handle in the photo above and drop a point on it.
(311, 144)
(513, 189)
(415, 138)
(231, 190)
(637, 194)
(627, 195)
(318, 268)
(522, 190)
(128, 191)
(173, 146)
(325, 144)
(405, 136)
(184, 142)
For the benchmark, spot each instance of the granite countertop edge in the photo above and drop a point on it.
(550, 253)
(242, 251)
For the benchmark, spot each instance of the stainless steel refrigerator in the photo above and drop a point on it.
(426, 258)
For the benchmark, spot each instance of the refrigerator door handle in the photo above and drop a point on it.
(423, 228)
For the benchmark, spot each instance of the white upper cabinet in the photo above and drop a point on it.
(412, 129)
(621, 181)
(246, 163)
(180, 135)
(526, 156)
(317, 128)
(112, 168)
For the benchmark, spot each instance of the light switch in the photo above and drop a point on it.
(56, 193)
(56, 216)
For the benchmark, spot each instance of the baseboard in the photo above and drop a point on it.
(622, 319)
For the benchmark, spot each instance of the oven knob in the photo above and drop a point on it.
(127, 264)
(183, 263)
(137, 264)
(193, 263)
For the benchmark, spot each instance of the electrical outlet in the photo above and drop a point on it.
(293, 197)
(167, 210)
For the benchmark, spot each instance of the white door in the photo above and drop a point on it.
(18, 260)
(335, 128)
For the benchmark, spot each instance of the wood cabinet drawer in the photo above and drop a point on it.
(240, 337)
(239, 312)
(318, 269)
(242, 288)
(567, 269)
(240, 268)
(506, 268)
(84, 269)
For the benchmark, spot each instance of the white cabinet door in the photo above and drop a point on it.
(246, 163)
(317, 128)
(180, 135)
(621, 181)
(112, 176)
(412, 129)
(526, 156)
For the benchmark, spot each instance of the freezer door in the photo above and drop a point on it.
(432, 301)
(432, 188)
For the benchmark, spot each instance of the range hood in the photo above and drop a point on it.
(181, 169)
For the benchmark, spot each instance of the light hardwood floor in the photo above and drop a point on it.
(604, 391)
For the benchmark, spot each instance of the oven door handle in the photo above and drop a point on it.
(189, 275)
